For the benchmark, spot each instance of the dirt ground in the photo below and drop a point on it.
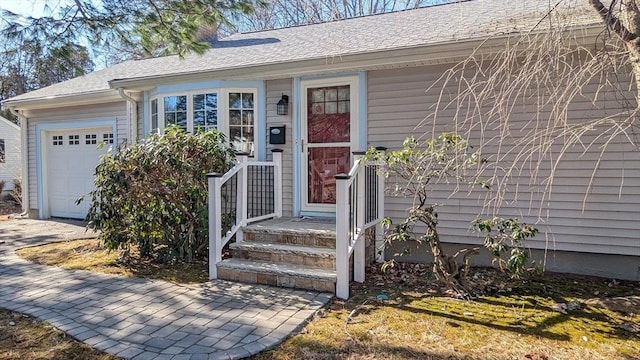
(8, 207)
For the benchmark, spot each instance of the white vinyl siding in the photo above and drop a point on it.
(606, 221)
(87, 113)
(10, 169)
(275, 89)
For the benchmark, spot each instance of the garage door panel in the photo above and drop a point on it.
(71, 160)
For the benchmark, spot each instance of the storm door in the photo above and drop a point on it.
(328, 139)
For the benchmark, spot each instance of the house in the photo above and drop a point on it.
(320, 93)
(10, 150)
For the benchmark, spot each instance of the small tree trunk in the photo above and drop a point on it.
(446, 267)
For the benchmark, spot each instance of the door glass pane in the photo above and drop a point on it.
(324, 164)
(328, 119)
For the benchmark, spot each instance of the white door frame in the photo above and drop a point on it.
(354, 94)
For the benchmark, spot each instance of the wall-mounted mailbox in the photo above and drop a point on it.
(277, 134)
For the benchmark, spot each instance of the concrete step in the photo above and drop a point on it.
(277, 274)
(314, 257)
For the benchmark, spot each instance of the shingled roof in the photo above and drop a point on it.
(464, 20)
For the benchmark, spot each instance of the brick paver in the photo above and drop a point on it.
(146, 319)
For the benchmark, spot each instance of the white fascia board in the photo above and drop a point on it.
(49, 102)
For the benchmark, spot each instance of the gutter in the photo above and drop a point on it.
(133, 118)
(24, 148)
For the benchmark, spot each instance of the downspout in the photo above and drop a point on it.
(134, 117)
(24, 148)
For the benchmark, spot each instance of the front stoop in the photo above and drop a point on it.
(284, 252)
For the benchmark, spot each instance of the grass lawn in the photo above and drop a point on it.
(25, 338)
(403, 314)
(91, 255)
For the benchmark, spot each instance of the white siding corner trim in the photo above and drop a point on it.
(41, 157)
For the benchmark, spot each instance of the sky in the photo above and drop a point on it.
(34, 8)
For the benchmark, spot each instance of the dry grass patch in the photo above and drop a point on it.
(417, 322)
(25, 338)
(91, 255)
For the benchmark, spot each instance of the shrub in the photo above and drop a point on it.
(447, 159)
(16, 194)
(154, 194)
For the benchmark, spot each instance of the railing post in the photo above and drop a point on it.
(215, 223)
(242, 195)
(359, 256)
(277, 181)
(342, 231)
(381, 186)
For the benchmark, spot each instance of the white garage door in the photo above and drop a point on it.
(72, 156)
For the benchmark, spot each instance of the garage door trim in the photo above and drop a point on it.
(41, 158)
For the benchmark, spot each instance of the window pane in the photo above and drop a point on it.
(181, 119)
(198, 102)
(154, 106)
(181, 103)
(170, 103)
(234, 100)
(234, 117)
(328, 121)
(247, 101)
(317, 108)
(331, 95)
(318, 95)
(170, 119)
(324, 164)
(247, 117)
(343, 107)
(212, 118)
(343, 93)
(198, 120)
(235, 136)
(212, 101)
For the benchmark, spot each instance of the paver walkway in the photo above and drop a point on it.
(146, 319)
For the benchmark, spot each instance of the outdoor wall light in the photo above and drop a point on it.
(283, 105)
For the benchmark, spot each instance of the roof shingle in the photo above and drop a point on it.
(404, 29)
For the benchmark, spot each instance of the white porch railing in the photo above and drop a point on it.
(359, 206)
(250, 191)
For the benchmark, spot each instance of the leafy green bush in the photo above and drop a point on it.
(154, 194)
(506, 236)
